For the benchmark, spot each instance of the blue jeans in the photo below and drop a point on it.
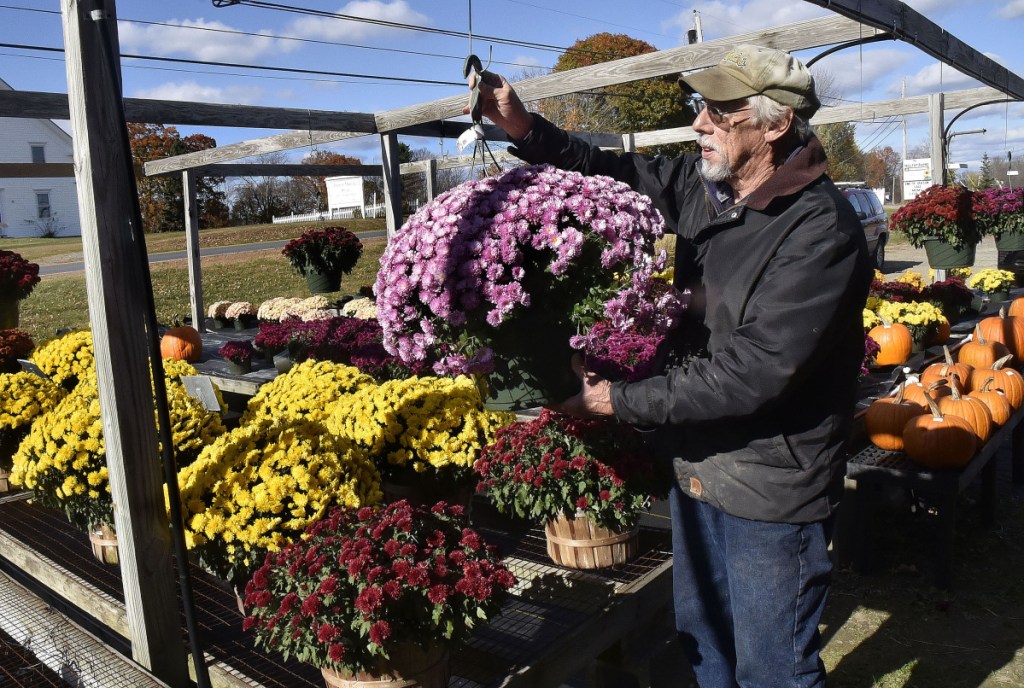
(748, 597)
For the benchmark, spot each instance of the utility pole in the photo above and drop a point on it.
(696, 25)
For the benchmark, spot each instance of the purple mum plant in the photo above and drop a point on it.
(495, 269)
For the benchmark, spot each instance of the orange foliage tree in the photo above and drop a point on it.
(645, 105)
(162, 198)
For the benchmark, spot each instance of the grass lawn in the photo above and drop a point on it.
(59, 301)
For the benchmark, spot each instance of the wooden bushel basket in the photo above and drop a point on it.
(104, 544)
(578, 544)
(410, 666)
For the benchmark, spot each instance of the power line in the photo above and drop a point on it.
(294, 70)
(580, 16)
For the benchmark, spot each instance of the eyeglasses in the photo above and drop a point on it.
(716, 114)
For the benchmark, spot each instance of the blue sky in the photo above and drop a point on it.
(195, 29)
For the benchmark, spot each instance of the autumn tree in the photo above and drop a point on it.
(882, 167)
(257, 199)
(845, 160)
(161, 199)
(645, 105)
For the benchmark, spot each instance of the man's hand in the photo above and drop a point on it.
(594, 399)
(500, 104)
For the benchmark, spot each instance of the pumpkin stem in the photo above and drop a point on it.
(988, 383)
(936, 413)
(949, 356)
(978, 335)
(1002, 312)
(1002, 361)
(885, 321)
(956, 389)
(899, 393)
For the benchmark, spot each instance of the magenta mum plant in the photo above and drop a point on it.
(331, 249)
(999, 211)
(360, 582)
(240, 352)
(18, 277)
(490, 269)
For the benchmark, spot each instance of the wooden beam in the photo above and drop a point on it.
(848, 113)
(392, 182)
(284, 170)
(29, 170)
(195, 274)
(405, 120)
(245, 149)
(114, 280)
(36, 104)
(913, 27)
(801, 35)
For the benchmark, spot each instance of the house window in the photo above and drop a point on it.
(43, 204)
(38, 153)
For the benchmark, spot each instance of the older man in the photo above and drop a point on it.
(754, 423)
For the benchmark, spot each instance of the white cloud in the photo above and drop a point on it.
(1012, 9)
(851, 73)
(720, 19)
(199, 39)
(190, 91)
(938, 77)
(327, 28)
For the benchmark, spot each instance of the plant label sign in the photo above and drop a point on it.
(201, 388)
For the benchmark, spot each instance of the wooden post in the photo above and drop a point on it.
(629, 143)
(392, 182)
(195, 270)
(936, 123)
(114, 279)
(431, 179)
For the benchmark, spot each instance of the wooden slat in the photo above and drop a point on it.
(848, 113)
(801, 35)
(115, 289)
(285, 170)
(29, 170)
(927, 36)
(36, 104)
(195, 270)
(797, 36)
(392, 182)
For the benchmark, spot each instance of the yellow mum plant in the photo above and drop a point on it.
(66, 359)
(256, 489)
(912, 278)
(419, 424)
(63, 458)
(23, 398)
(991, 280)
(309, 390)
(920, 317)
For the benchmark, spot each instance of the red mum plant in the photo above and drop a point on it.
(240, 352)
(327, 250)
(17, 276)
(361, 584)
(939, 212)
(558, 465)
(14, 344)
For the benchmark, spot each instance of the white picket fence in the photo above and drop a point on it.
(374, 210)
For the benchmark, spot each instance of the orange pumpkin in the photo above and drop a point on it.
(938, 335)
(957, 373)
(935, 440)
(885, 419)
(970, 409)
(1009, 381)
(979, 352)
(1016, 308)
(1006, 329)
(182, 343)
(998, 405)
(917, 393)
(894, 341)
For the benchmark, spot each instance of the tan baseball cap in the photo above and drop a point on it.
(748, 70)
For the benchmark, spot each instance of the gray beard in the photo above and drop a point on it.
(716, 172)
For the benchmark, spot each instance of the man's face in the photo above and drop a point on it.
(727, 137)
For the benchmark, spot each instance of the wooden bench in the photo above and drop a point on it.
(872, 468)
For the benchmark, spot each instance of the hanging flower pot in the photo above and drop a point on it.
(577, 543)
(944, 256)
(104, 543)
(323, 282)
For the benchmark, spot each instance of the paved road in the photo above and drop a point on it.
(61, 268)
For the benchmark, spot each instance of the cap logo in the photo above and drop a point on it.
(736, 57)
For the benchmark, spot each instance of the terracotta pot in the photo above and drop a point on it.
(577, 543)
(409, 666)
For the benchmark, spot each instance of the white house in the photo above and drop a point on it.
(36, 206)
